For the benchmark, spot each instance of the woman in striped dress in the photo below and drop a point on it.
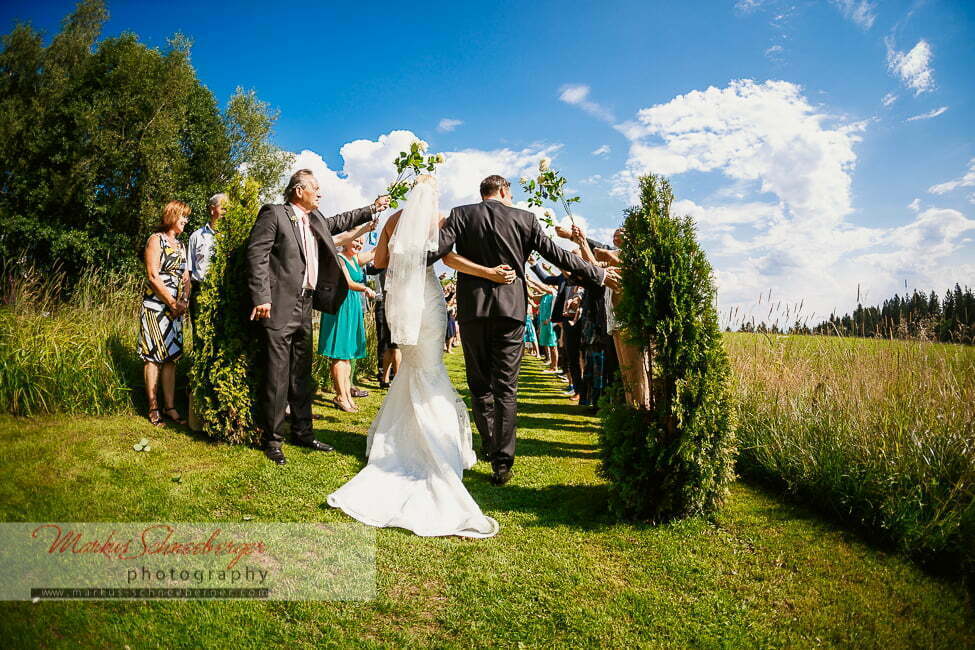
(164, 301)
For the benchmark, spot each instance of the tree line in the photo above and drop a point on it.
(925, 316)
(97, 135)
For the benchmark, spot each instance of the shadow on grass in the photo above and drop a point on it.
(128, 366)
(583, 507)
(555, 449)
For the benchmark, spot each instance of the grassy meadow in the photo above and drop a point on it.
(562, 572)
(878, 433)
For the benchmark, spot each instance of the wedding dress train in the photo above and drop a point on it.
(419, 445)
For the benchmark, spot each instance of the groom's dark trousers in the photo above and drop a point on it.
(492, 353)
(492, 316)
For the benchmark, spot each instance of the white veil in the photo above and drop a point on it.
(417, 233)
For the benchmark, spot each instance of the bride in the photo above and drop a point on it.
(420, 442)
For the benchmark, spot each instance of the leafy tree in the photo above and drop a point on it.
(677, 458)
(98, 135)
(249, 122)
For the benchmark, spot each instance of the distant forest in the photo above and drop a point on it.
(918, 316)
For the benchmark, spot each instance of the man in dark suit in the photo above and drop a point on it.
(492, 316)
(293, 266)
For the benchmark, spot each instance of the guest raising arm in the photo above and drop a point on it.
(345, 238)
(342, 335)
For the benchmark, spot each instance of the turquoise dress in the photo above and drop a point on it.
(546, 333)
(529, 329)
(342, 335)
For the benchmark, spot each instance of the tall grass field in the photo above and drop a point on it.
(69, 354)
(880, 433)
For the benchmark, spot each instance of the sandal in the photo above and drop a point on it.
(342, 406)
(156, 420)
(178, 419)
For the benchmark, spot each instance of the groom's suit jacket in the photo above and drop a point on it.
(276, 261)
(493, 233)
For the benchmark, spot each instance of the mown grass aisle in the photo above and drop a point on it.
(560, 573)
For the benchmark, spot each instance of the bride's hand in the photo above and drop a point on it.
(502, 274)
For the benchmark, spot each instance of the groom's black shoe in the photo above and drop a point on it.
(275, 454)
(501, 476)
(316, 445)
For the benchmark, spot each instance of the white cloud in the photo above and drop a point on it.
(578, 95)
(766, 132)
(860, 12)
(889, 99)
(784, 222)
(368, 168)
(927, 116)
(968, 180)
(602, 151)
(934, 232)
(915, 205)
(914, 67)
(448, 124)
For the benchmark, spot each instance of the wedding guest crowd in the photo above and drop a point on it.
(567, 323)
(590, 352)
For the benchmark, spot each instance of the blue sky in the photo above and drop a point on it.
(785, 127)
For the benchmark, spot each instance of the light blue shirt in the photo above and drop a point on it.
(200, 250)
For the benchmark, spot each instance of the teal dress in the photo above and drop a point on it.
(546, 333)
(342, 335)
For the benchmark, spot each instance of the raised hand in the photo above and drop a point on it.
(381, 203)
(612, 279)
(563, 232)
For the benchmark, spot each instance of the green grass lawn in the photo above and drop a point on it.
(560, 573)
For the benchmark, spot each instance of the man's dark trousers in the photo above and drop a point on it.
(492, 353)
(572, 338)
(288, 380)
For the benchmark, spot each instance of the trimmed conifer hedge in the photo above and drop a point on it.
(225, 374)
(677, 458)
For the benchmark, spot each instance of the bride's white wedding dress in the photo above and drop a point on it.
(419, 444)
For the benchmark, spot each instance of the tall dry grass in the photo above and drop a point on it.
(877, 432)
(73, 353)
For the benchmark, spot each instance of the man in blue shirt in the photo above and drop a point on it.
(199, 251)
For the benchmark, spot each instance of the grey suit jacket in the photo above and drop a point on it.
(492, 233)
(276, 261)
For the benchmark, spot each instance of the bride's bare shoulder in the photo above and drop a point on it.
(441, 218)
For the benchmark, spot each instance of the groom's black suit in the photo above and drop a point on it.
(276, 271)
(492, 316)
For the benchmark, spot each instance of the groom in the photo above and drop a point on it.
(492, 316)
(293, 266)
